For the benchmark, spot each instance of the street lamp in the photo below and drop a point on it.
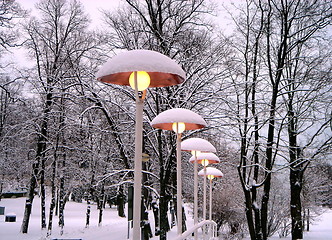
(140, 69)
(205, 159)
(210, 174)
(178, 120)
(198, 147)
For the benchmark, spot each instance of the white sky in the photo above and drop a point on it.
(91, 6)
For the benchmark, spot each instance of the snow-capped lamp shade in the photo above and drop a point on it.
(162, 70)
(211, 173)
(205, 158)
(197, 144)
(178, 120)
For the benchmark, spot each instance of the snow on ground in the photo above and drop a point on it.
(113, 227)
(321, 229)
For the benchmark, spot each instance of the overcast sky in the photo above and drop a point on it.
(92, 7)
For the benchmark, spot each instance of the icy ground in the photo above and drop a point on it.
(113, 227)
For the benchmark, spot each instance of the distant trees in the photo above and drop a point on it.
(58, 43)
(316, 191)
(271, 101)
(12, 103)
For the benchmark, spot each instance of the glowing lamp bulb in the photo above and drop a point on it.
(178, 127)
(205, 162)
(194, 152)
(143, 80)
(210, 177)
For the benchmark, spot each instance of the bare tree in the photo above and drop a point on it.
(271, 32)
(10, 11)
(307, 95)
(55, 41)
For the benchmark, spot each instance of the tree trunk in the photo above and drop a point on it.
(145, 223)
(163, 205)
(42, 194)
(101, 204)
(163, 201)
(120, 202)
(295, 202)
(248, 212)
(62, 204)
(308, 220)
(57, 202)
(53, 200)
(88, 211)
(62, 197)
(155, 209)
(38, 165)
(184, 219)
(30, 197)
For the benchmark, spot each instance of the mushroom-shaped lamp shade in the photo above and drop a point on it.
(205, 158)
(197, 144)
(162, 70)
(211, 173)
(178, 120)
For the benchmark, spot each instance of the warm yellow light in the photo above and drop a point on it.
(210, 177)
(145, 157)
(143, 80)
(178, 127)
(205, 162)
(194, 152)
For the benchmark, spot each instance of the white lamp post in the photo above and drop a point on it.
(210, 173)
(198, 147)
(205, 159)
(178, 120)
(140, 69)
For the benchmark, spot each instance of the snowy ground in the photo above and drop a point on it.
(113, 228)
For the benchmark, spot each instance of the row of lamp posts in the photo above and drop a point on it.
(142, 69)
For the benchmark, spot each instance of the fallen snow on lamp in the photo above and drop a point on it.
(140, 69)
(178, 120)
(205, 158)
(210, 173)
(162, 70)
(198, 146)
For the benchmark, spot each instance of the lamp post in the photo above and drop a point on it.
(140, 69)
(205, 159)
(198, 147)
(178, 120)
(210, 173)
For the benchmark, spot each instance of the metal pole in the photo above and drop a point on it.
(195, 193)
(179, 183)
(204, 202)
(210, 215)
(128, 233)
(204, 195)
(138, 165)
